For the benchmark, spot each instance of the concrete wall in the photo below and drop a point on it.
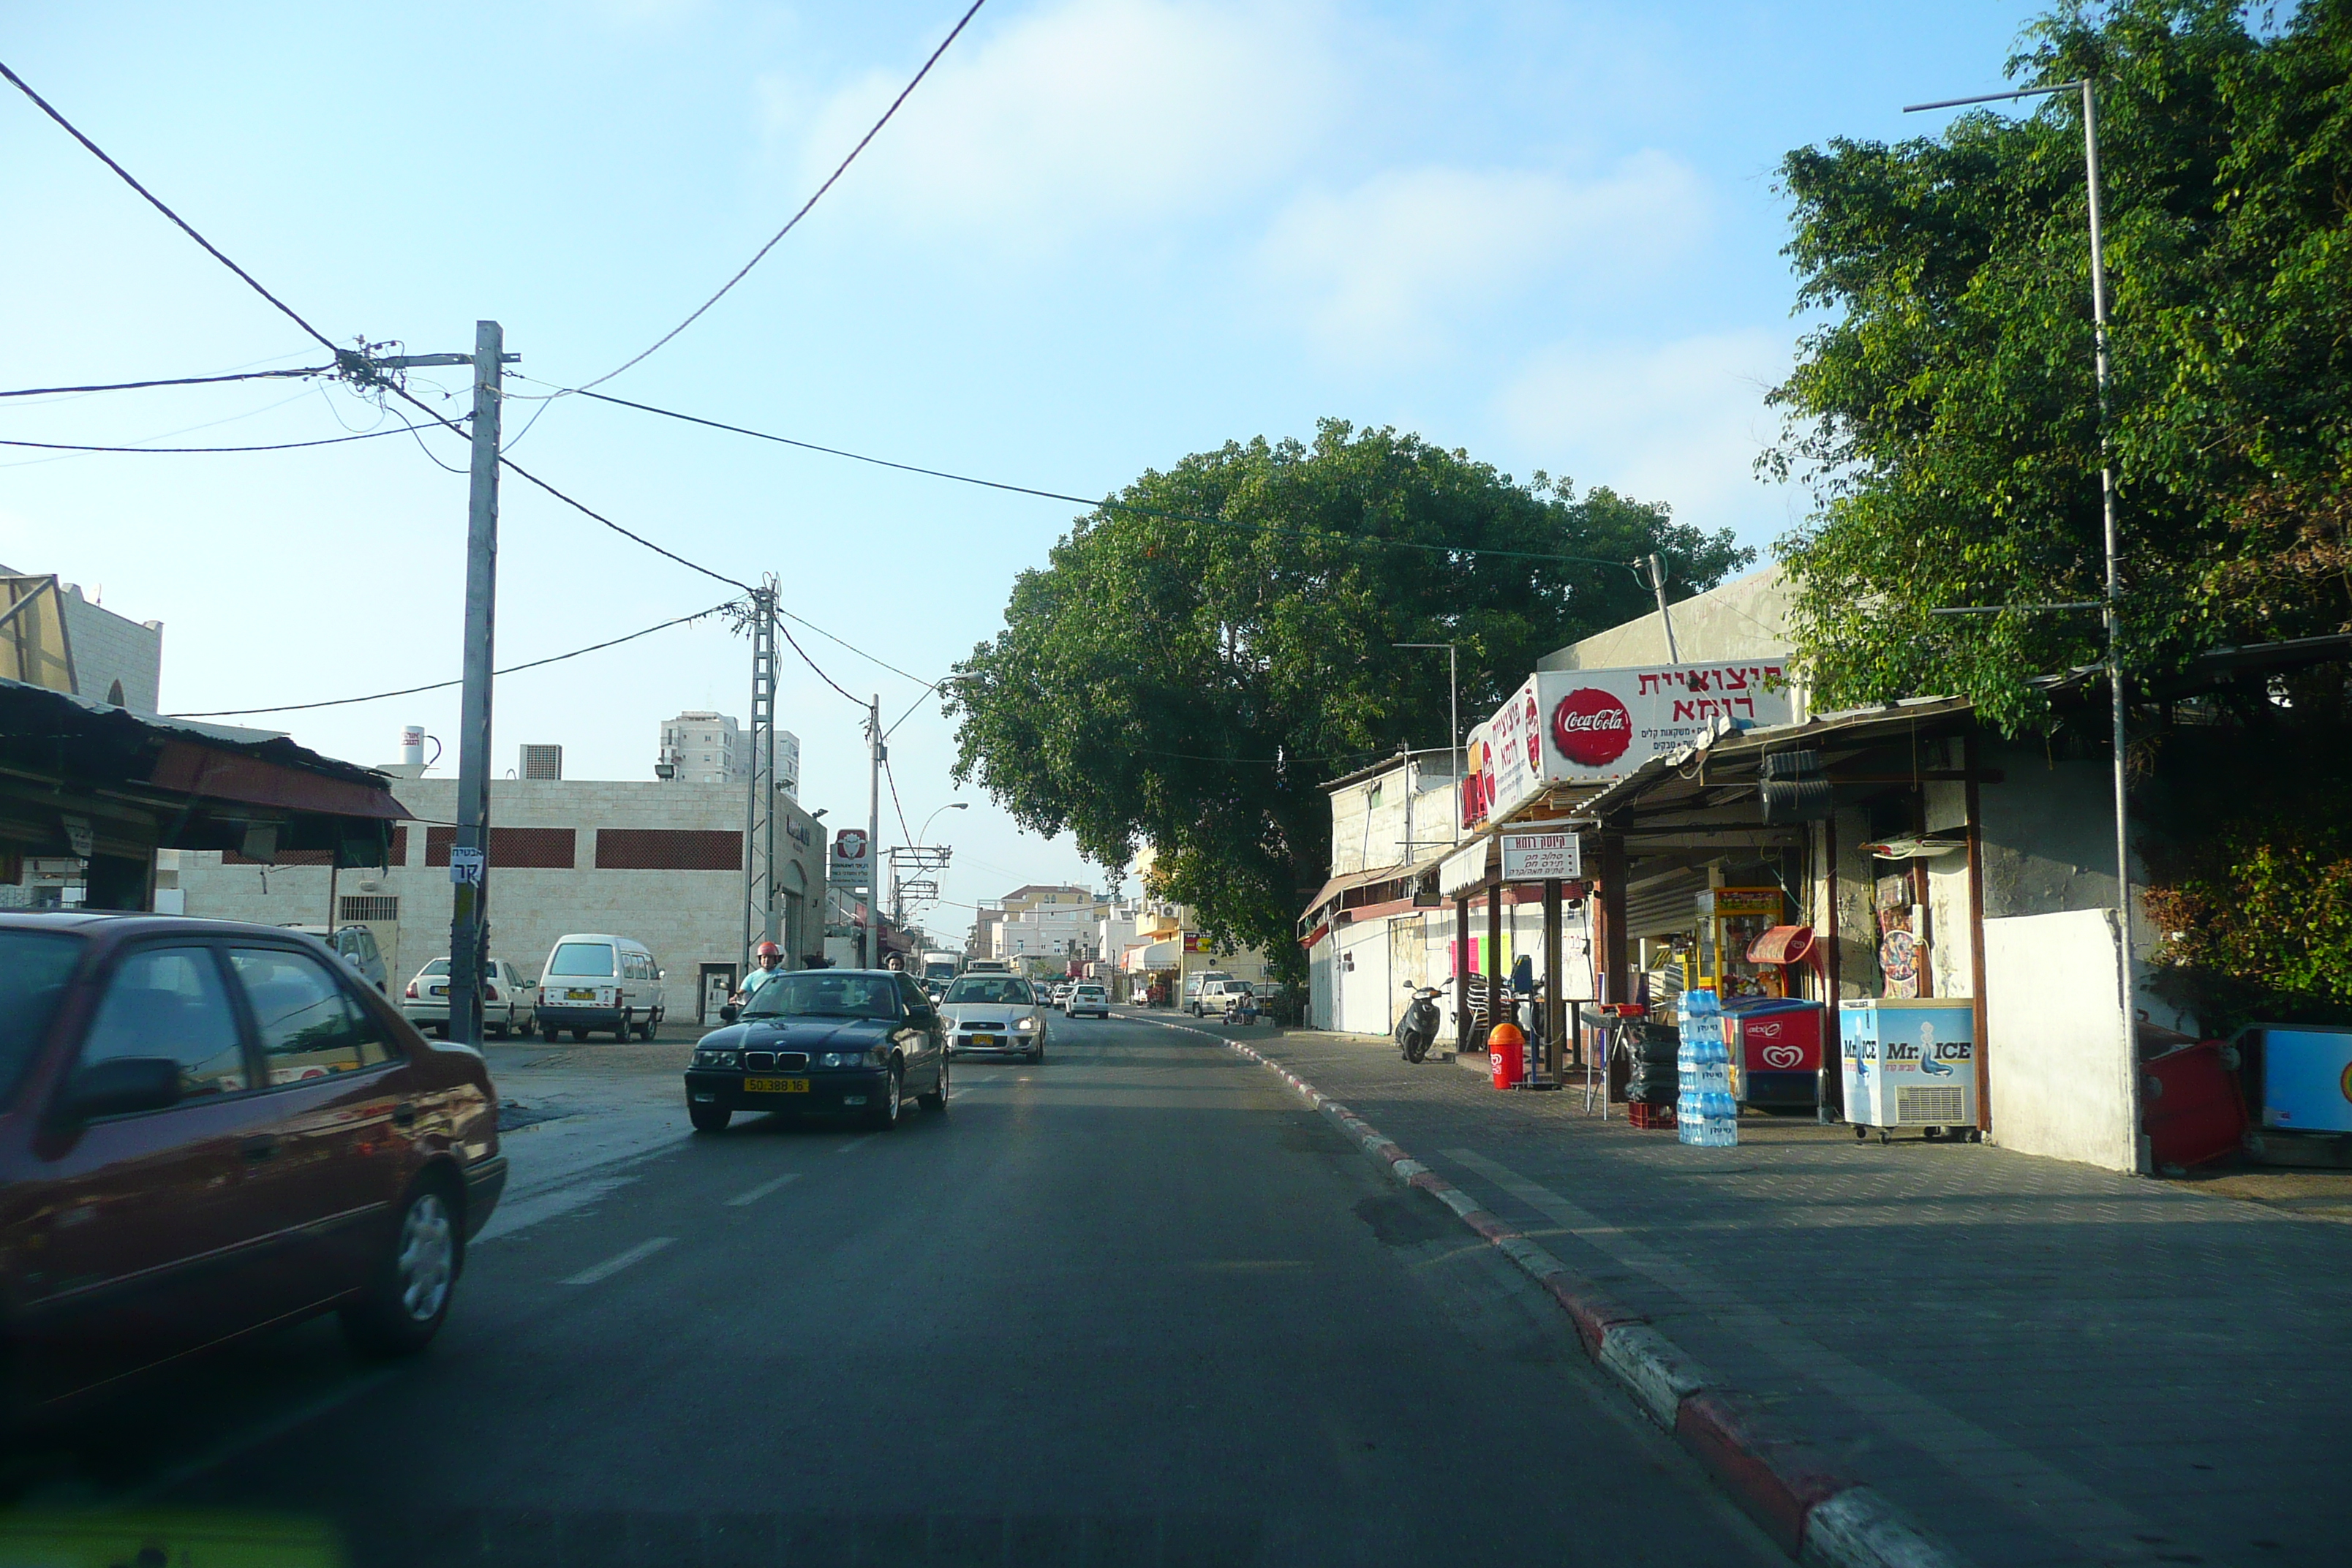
(687, 918)
(2056, 1062)
(1367, 834)
(107, 648)
(1361, 970)
(1747, 617)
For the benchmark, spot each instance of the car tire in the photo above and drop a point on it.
(407, 1296)
(551, 1031)
(626, 1028)
(938, 1099)
(884, 1117)
(580, 1036)
(709, 1118)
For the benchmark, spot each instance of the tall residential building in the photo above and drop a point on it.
(707, 748)
(788, 764)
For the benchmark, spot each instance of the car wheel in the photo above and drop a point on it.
(405, 1303)
(709, 1118)
(938, 1099)
(885, 1116)
(580, 1036)
(550, 1031)
(626, 1028)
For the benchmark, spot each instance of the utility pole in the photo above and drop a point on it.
(870, 955)
(469, 924)
(760, 797)
(1665, 617)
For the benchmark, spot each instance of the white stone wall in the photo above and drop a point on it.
(686, 918)
(107, 649)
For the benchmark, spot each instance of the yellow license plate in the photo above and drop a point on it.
(579, 995)
(979, 1040)
(775, 1085)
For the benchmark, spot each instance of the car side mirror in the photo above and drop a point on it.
(729, 1012)
(121, 1086)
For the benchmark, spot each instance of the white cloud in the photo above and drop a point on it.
(1084, 114)
(1384, 271)
(1680, 423)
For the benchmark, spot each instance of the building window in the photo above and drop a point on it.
(512, 848)
(668, 849)
(383, 907)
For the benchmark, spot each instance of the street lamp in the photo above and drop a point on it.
(2114, 601)
(926, 830)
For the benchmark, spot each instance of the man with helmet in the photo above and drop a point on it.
(770, 961)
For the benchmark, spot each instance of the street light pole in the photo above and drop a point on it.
(2114, 601)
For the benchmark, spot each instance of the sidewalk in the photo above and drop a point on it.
(2041, 1362)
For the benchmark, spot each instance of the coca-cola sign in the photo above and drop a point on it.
(1591, 728)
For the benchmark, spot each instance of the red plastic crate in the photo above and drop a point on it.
(1651, 1116)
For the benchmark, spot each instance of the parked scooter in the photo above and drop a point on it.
(1417, 1029)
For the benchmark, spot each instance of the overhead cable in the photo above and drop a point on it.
(1111, 504)
(444, 685)
(152, 200)
(275, 446)
(795, 220)
(171, 381)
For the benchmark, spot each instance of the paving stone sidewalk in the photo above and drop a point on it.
(2045, 1362)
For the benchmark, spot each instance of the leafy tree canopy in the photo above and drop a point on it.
(1947, 414)
(1195, 660)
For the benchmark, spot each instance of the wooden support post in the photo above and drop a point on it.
(1462, 967)
(1977, 937)
(1618, 986)
(1495, 975)
(1554, 1015)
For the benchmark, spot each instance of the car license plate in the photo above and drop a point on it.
(579, 995)
(444, 990)
(775, 1085)
(981, 1040)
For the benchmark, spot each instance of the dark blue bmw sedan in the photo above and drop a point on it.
(852, 1040)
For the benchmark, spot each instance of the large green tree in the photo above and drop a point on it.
(1945, 410)
(1201, 653)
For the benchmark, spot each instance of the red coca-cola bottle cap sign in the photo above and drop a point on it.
(1591, 728)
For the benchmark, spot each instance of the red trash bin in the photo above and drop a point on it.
(2190, 1106)
(1506, 1049)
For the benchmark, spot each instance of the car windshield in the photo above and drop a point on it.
(582, 958)
(33, 968)
(822, 994)
(1001, 990)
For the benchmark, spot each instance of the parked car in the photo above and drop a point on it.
(1196, 984)
(1088, 997)
(593, 981)
(508, 1000)
(1216, 996)
(355, 945)
(206, 1127)
(994, 1013)
(821, 1040)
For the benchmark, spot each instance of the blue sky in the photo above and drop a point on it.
(1104, 234)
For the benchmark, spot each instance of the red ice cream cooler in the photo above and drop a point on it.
(1775, 1044)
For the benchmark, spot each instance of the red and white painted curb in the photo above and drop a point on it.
(1816, 1514)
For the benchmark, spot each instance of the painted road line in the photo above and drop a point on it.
(761, 1191)
(2001, 1470)
(854, 1143)
(515, 1215)
(612, 1266)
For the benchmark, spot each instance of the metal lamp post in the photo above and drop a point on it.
(2114, 601)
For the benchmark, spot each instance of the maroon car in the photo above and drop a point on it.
(206, 1128)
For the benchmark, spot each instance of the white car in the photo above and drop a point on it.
(1088, 998)
(506, 1000)
(994, 1013)
(597, 981)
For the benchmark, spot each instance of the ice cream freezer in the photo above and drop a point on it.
(1775, 1044)
(1908, 1063)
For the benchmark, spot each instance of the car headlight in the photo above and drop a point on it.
(717, 1058)
(1026, 1025)
(851, 1059)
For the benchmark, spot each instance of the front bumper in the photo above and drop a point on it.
(829, 1088)
(1012, 1042)
(578, 1017)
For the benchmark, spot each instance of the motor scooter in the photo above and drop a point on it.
(1417, 1029)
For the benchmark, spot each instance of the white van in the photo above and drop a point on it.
(595, 980)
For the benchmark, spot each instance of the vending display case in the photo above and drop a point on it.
(1775, 1045)
(1729, 921)
(1908, 1062)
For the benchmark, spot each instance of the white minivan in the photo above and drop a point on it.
(595, 980)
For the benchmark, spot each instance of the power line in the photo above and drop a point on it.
(853, 647)
(169, 380)
(907, 832)
(812, 202)
(443, 685)
(275, 447)
(1108, 504)
(152, 200)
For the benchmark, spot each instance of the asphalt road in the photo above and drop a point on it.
(1133, 1306)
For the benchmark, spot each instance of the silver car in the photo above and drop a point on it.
(506, 1000)
(994, 1013)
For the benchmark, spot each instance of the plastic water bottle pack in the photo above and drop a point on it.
(1705, 1115)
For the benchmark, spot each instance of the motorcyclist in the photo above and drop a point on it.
(771, 959)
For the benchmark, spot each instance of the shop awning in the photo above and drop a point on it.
(1339, 887)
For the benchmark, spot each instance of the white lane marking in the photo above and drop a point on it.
(2002, 1471)
(612, 1266)
(854, 1143)
(511, 1217)
(761, 1191)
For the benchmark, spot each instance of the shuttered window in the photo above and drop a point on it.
(668, 849)
(512, 848)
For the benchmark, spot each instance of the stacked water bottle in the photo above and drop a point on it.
(1705, 1114)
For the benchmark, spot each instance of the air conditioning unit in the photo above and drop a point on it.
(542, 761)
